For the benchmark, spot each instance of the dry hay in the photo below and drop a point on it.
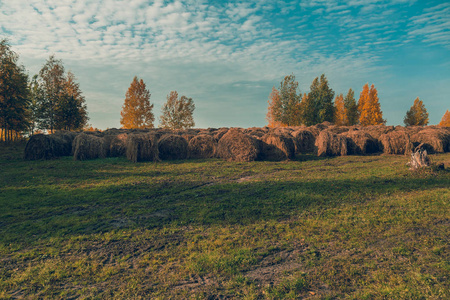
(202, 146)
(360, 142)
(314, 130)
(377, 130)
(236, 146)
(88, 146)
(282, 130)
(256, 132)
(276, 147)
(220, 133)
(172, 146)
(304, 141)
(436, 140)
(116, 145)
(142, 147)
(396, 142)
(330, 144)
(338, 129)
(42, 146)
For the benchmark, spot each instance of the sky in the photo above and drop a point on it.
(227, 55)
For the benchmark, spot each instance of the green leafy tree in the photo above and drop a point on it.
(319, 106)
(351, 108)
(284, 104)
(177, 113)
(417, 115)
(13, 94)
(137, 112)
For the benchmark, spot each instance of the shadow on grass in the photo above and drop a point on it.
(53, 212)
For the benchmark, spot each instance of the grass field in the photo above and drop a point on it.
(316, 228)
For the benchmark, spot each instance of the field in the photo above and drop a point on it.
(354, 227)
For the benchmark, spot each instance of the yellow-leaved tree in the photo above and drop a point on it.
(340, 113)
(137, 110)
(445, 121)
(273, 111)
(369, 107)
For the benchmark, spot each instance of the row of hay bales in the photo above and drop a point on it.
(238, 144)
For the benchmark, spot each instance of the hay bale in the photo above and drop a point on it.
(172, 147)
(202, 146)
(304, 141)
(277, 147)
(314, 130)
(220, 133)
(236, 146)
(330, 144)
(436, 140)
(116, 145)
(142, 147)
(360, 142)
(396, 142)
(257, 132)
(42, 146)
(89, 146)
(376, 131)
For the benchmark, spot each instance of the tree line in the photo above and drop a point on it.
(50, 100)
(288, 107)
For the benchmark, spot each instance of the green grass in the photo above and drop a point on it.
(346, 227)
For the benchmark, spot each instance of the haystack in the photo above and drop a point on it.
(330, 144)
(360, 142)
(202, 146)
(436, 140)
(116, 145)
(42, 146)
(89, 146)
(142, 147)
(338, 129)
(377, 130)
(255, 131)
(277, 147)
(220, 133)
(172, 146)
(236, 146)
(396, 142)
(303, 141)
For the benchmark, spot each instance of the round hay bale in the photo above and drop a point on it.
(89, 146)
(338, 129)
(257, 132)
(396, 142)
(202, 146)
(42, 146)
(436, 140)
(360, 142)
(142, 147)
(377, 130)
(172, 147)
(116, 145)
(220, 133)
(314, 130)
(236, 146)
(330, 144)
(304, 141)
(277, 147)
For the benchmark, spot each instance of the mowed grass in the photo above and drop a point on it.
(346, 227)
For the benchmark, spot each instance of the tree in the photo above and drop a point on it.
(369, 108)
(445, 121)
(137, 110)
(71, 111)
(319, 106)
(35, 99)
(60, 104)
(284, 104)
(177, 113)
(274, 109)
(351, 108)
(340, 117)
(13, 94)
(417, 115)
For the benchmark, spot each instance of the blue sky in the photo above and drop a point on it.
(227, 55)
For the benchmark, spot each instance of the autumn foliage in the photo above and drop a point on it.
(369, 108)
(445, 121)
(177, 113)
(137, 110)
